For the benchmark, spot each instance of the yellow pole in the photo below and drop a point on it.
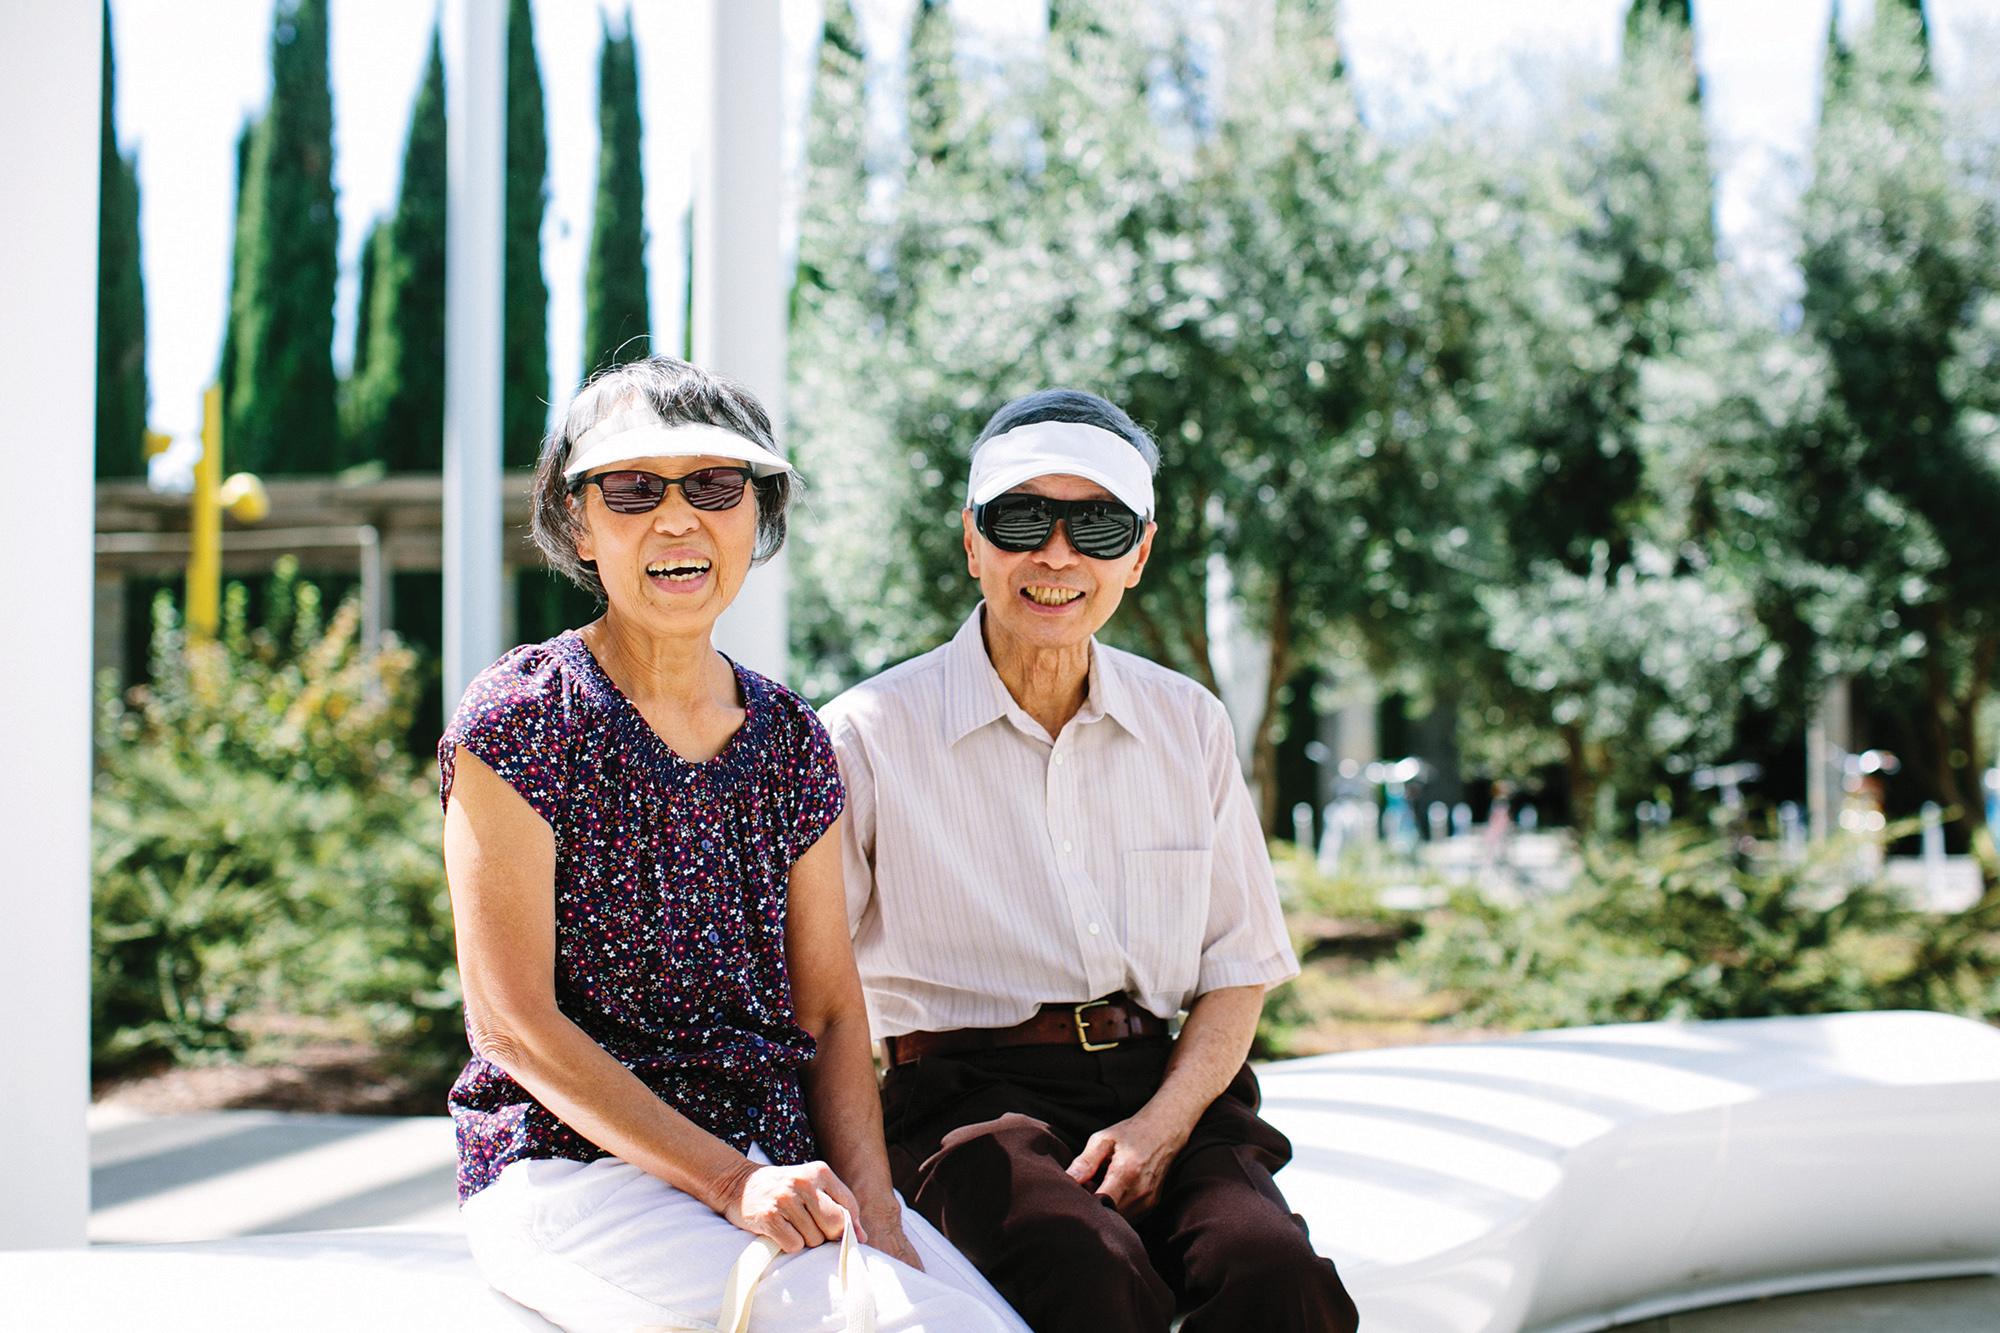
(204, 578)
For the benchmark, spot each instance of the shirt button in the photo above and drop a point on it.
(1094, 929)
(1059, 760)
(1067, 847)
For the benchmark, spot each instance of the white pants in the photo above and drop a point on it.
(603, 1247)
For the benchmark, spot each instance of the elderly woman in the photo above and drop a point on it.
(669, 1047)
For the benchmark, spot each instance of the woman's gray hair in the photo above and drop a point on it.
(679, 394)
(1071, 405)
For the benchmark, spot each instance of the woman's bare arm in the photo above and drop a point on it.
(500, 864)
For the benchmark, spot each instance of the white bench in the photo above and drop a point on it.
(381, 1280)
(1579, 1179)
(1559, 1181)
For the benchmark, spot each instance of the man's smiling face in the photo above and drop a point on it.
(1052, 598)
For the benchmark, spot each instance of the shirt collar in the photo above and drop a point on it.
(975, 695)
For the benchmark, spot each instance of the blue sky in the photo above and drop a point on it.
(184, 88)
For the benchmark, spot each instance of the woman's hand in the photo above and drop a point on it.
(796, 1206)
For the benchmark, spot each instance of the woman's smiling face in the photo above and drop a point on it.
(675, 567)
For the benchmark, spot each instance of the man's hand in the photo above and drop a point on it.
(1129, 1160)
(796, 1206)
(883, 1226)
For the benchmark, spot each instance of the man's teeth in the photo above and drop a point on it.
(678, 572)
(1043, 596)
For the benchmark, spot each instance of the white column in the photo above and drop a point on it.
(1240, 655)
(1829, 737)
(50, 62)
(475, 56)
(739, 276)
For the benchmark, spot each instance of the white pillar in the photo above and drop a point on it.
(739, 275)
(50, 62)
(1240, 655)
(475, 56)
(1829, 738)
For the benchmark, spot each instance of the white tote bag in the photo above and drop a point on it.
(857, 1298)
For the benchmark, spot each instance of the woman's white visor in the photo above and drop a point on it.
(626, 436)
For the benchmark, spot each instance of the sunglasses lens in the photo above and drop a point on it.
(1102, 531)
(631, 492)
(713, 488)
(1017, 522)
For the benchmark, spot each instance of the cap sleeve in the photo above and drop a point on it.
(813, 794)
(515, 717)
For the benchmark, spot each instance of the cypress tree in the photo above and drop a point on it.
(401, 399)
(525, 332)
(1915, 8)
(372, 246)
(282, 417)
(830, 250)
(121, 298)
(615, 306)
(834, 437)
(1671, 11)
(936, 103)
(1833, 69)
(239, 250)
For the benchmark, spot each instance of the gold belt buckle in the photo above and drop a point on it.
(1083, 1028)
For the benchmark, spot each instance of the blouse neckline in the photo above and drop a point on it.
(639, 731)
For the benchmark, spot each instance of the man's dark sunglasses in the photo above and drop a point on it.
(634, 492)
(1018, 521)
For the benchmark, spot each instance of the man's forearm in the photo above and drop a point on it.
(1213, 1044)
(846, 1110)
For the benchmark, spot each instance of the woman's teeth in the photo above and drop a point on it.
(1046, 596)
(679, 572)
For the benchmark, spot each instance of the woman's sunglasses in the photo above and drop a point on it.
(635, 492)
(1018, 521)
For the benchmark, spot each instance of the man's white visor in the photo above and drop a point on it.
(1068, 448)
(628, 435)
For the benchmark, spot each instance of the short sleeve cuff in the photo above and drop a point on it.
(531, 783)
(1222, 973)
(818, 814)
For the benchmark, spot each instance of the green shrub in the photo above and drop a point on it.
(1353, 893)
(262, 838)
(1676, 927)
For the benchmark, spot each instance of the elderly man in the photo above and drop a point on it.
(1050, 852)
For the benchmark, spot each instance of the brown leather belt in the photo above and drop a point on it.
(1094, 1025)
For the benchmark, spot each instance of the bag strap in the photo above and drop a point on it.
(857, 1296)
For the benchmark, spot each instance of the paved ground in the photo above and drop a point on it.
(247, 1173)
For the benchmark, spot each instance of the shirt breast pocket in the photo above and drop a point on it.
(1166, 915)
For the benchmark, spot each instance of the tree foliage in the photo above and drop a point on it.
(1902, 263)
(239, 253)
(121, 296)
(397, 412)
(525, 301)
(1474, 404)
(281, 411)
(616, 312)
(839, 443)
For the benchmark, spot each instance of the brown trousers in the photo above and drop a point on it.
(980, 1143)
